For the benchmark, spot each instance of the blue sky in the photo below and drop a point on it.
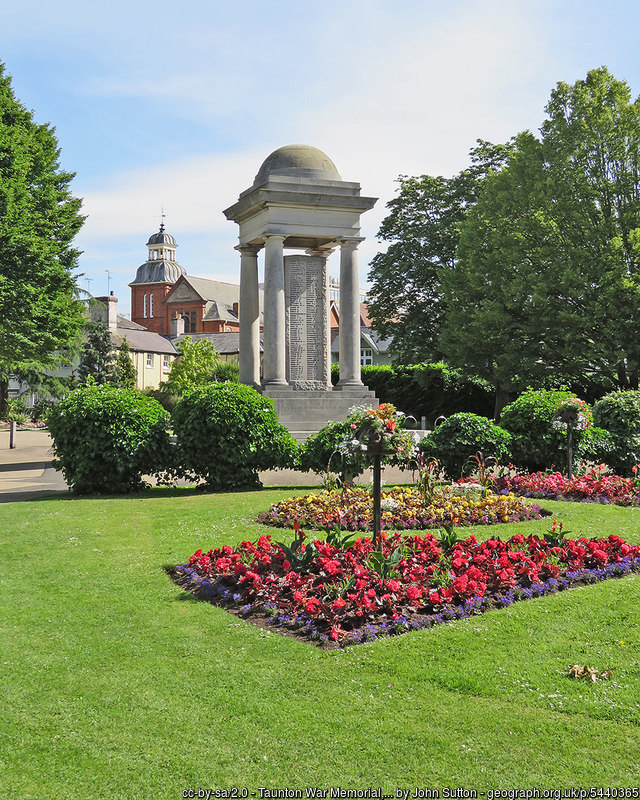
(176, 105)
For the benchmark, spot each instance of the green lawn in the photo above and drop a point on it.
(114, 683)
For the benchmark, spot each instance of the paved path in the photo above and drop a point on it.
(26, 472)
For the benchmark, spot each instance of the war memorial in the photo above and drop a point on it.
(298, 201)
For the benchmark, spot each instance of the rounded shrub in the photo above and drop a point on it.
(536, 444)
(227, 433)
(105, 439)
(325, 451)
(619, 414)
(460, 437)
(597, 446)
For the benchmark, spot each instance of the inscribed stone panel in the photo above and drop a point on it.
(305, 281)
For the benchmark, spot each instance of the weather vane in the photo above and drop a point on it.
(162, 216)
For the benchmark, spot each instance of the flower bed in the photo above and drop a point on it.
(402, 509)
(593, 487)
(340, 594)
(23, 426)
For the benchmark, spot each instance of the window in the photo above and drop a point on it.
(150, 305)
(149, 359)
(165, 362)
(366, 357)
(189, 318)
(144, 306)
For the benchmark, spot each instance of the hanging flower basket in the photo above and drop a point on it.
(572, 413)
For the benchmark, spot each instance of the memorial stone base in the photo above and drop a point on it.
(306, 412)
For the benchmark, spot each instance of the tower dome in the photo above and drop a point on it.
(161, 265)
(297, 161)
(162, 237)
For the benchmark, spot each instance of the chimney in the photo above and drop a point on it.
(177, 326)
(110, 315)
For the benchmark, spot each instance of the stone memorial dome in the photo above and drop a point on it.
(297, 161)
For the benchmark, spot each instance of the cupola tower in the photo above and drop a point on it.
(153, 281)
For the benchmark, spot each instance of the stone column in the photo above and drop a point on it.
(349, 315)
(249, 312)
(274, 320)
(324, 254)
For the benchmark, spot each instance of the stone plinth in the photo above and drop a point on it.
(306, 412)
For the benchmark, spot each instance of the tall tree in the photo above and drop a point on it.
(546, 281)
(407, 301)
(98, 357)
(39, 311)
(126, 369)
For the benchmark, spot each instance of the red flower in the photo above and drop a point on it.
(414, 593)
(312, 606)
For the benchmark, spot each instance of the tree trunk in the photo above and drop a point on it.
(4, 396)
(502, 399)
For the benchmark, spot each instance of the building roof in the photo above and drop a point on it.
(209, 290)
(123, 322)
(162, 237)
(161, 271)
(218, 297)
(218, 311)
(226, 344)
(297, 161)
(143, 341)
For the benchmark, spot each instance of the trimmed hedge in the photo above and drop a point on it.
(226, 433)
(460, 437)
(105, 439)
(427, 390)
(619, 414)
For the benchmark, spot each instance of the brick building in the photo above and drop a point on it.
(162, 293)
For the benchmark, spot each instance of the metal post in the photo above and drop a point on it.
(569, 449)
(377, 511)
(12, 431)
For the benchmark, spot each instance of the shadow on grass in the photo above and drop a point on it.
(145, 494)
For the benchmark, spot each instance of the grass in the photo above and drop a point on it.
(114, 683)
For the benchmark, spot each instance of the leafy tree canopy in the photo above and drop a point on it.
(547, 279)
(40, 314)
(525, 268)
(197, 365)
(407, 302)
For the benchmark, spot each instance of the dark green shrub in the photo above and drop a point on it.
(597, 446)
(40, 409)
(460, 437)
(105, 439)
(536, 445)
(619, 414)
(227, 432)
(427, 390)
(323, 451)
(166, 399)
